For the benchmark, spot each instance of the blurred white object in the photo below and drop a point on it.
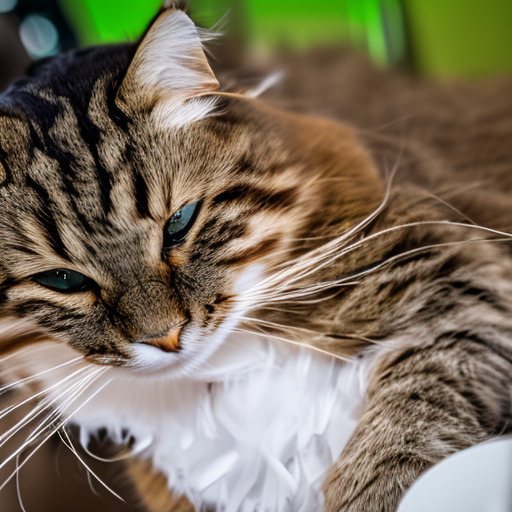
(478, 479)
(39, 36)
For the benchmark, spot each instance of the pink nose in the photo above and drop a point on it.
(168, 343)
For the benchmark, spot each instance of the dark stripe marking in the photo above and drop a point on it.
(7, 170)
(141, 195)
(257, 197)
(251, 253)
(46, 219)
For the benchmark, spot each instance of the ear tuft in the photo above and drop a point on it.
(179, 5)
(170, 73)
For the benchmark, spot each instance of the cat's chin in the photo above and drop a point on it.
(196, 351)
(151, 361)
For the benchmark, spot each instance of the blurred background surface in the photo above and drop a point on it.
(435, 38)
(432, 38)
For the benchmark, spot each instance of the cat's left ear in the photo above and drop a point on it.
(170, 74)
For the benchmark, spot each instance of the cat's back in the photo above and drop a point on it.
(453, 138)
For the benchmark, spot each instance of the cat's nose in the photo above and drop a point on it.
(168, 342)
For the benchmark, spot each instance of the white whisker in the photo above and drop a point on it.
(70, 445)
(18, 489)
(38, 407)
(36, 411)
(262, 294)
(299, 293)
(342, 282)
(88, 475)
(302, 302)
(78, 388)
(293, 342)
(119, 458)
(36, 375)
(302, 329)
(314, 256)
(405, 254)
(451, 207)
(56, 429)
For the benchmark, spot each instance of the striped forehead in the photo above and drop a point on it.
(81, 187)
(71, 160)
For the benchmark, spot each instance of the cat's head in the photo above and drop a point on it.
(140, 204)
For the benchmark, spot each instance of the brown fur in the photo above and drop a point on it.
(153, 488)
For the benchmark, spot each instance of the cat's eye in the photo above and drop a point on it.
(177, 227)
(62, 280)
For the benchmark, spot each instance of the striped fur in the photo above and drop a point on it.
(91, 170)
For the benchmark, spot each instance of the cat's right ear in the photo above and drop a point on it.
(169, 74)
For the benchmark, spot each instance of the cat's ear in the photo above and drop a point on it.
(169, 73)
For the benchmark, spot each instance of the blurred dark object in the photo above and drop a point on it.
(30, 29)
(13, 57)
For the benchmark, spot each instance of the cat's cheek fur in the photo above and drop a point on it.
(196, 348)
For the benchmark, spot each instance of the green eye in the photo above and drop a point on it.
(61, 280)
(179, 224)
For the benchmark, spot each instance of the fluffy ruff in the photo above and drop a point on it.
(256, 428)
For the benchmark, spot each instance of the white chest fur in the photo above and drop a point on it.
(256, 429)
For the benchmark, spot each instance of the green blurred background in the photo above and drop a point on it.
(446, 38)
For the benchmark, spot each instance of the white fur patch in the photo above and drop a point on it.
(255, 428)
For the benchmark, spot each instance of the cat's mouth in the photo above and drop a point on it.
(177, 353)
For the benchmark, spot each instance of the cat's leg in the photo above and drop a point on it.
(424, 403)
(153, 489)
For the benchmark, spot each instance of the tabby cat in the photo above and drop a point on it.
(274, 307)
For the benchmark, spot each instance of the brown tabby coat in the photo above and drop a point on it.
(432, 302)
